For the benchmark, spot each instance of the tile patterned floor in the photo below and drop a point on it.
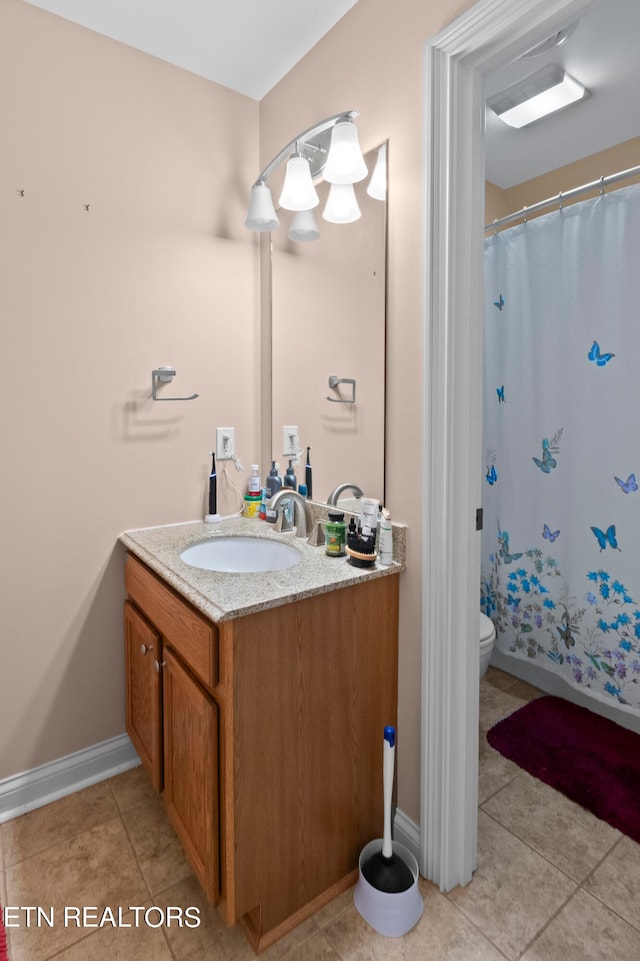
(553, 882)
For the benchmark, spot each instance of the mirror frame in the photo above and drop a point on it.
(488, 35)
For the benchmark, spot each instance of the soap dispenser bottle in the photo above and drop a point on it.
(290, 477)
(274, 483)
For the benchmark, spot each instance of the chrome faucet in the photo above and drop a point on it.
(301, 513)
(332, 499)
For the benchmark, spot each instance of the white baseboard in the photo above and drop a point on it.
(407, 832)
(49, 782)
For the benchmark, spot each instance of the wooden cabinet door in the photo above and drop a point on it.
(191, 770)
(143, 647)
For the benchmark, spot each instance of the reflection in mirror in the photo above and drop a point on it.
(328, 344)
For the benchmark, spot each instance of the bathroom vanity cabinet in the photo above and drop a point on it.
(264, 734)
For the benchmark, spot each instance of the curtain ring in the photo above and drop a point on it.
(524, 211)
(602, 186)
(560, 201)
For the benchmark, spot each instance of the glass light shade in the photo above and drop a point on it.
(555, 98)
(261, 215)
(342, 206)
(298, 192)
(377, 186)
(544, 92)
(345, 163)
(303, 227)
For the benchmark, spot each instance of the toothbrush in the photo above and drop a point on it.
(308, 476)
(213, 486)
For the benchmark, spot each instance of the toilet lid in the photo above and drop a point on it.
(487, 629)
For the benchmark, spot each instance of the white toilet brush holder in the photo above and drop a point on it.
(387, 893)
(389, 914)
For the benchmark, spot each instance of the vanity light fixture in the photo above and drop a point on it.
(298, 192)
(377, 186)
(345, 163)
(544, 92)
(329, 149)
(261, 214)
(304, 227)
(341, 206)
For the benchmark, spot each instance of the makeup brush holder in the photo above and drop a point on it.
(361, 549)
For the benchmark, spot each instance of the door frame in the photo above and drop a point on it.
(487, 36)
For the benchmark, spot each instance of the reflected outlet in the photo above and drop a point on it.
(290, 442)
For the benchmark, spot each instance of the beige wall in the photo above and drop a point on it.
(373, 61)
(160, 270)
(500, 203)
(152, 274)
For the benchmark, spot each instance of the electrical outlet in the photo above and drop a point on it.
(290, 442)
(225, 443)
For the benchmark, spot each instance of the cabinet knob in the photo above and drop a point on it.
(144, 648)
(157, 665)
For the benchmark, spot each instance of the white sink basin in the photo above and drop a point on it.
(241, 555)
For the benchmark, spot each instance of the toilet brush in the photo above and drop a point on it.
(384, 870)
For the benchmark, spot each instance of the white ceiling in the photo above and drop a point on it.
(249, 45)
(603, 53)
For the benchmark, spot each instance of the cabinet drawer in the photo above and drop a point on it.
(188, 632)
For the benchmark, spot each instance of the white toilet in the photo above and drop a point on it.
(487, 637)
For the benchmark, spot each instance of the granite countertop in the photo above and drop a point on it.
(222, 596)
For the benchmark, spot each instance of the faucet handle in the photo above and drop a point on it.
(283, 523)
(316, 538)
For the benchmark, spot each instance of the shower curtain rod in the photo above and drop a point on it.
(562, 196)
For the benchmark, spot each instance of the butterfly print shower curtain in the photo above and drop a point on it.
(561, 539)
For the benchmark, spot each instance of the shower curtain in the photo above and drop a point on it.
(561, 497)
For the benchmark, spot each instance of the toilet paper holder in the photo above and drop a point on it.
(164, 375)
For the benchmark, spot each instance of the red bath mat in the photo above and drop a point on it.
(590, 759)
(3, 938)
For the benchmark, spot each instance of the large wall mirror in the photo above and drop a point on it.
(328, 302)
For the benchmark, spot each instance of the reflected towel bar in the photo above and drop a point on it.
(334, 382)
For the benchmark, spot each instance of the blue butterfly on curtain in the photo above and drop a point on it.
(599, 358)
(627, 486)
(606, 538)
(491, 474)
(505, 552)
(499, 303)
(500, 393)
(548, 534)
(549, 448)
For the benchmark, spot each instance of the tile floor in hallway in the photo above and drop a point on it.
(553, 882)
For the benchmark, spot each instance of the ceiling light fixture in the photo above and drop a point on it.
(556, 40)
(537, 96)
(330, 149)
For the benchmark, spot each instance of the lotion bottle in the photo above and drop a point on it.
(385, 538)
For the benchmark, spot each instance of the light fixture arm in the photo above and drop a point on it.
(308, 134)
